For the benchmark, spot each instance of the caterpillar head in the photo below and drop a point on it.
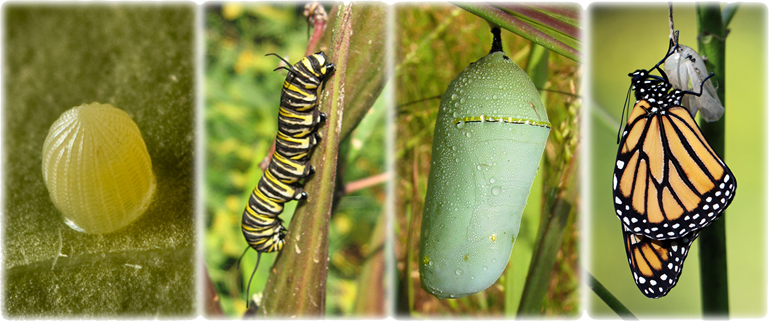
(326, 68)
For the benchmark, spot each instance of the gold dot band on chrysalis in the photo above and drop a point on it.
(510, 120)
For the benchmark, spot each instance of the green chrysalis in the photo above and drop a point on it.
(489, 137)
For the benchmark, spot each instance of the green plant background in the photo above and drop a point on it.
(241, 109)
(625, 38)
(434, 44)
(138, 58)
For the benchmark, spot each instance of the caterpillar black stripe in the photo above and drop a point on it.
(297, 136)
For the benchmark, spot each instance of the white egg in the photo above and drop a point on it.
(97, 168)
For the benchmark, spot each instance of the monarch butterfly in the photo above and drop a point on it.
(656, 265)
(296, 138)
(490, 134)
(668, 182)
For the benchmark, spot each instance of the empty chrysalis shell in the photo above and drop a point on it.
(97, 169)
(686, 70)
(489, 136)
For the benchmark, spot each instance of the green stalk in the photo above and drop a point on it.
(364, 82)
(713, 268)
(297, 283)
(609, 298)
(728, 13)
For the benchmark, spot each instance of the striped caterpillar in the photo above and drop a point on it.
(298, 121)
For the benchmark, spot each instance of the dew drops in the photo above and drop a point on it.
(458, 272)
(496, 190)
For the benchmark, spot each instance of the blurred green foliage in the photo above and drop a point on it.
(139, 58)
(241, 107)
(621, 44)
(435, 43)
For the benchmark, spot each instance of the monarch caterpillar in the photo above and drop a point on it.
(296, 138)
(490, 133)
(668, 182)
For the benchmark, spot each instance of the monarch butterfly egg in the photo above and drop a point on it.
(490, 133)
(97, 169)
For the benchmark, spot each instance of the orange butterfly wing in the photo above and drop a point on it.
(668, 181)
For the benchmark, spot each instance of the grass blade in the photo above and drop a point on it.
(609, 298)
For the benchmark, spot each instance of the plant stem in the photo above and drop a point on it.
(609, 298)
(713, 267)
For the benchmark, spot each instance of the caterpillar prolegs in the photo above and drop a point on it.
(298, 121)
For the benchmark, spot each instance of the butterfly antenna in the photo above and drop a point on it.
(241, 256)
(248, 288)
(624, 107)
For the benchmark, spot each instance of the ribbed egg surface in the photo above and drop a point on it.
(97, 169)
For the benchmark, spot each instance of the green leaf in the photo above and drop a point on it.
(552, 31)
